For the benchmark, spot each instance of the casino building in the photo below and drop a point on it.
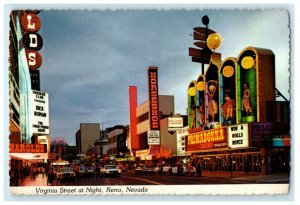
(29, 107)
(235, 122)
(149, 137)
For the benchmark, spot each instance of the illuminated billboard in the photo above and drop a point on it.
(200, 107)
(212, 94)
(210, 139)
(192, 105)
(228, 91)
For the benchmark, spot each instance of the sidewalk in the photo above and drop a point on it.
(252, 177)
(38, 181)
(226, 174)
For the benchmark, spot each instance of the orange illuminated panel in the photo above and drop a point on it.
(133, 121)
(210, 139)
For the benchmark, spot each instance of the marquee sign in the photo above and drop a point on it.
(153, 98)
(210, 139)
(40, 112)
(238, 136)
(153, 137)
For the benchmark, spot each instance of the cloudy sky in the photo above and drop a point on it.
(91, 57)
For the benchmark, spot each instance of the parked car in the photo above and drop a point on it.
(90, 172)
(144, 169)
(82, 171)
(157, 170)
(183, 169)
(166, 169)
(64, 174)
(110, 170)
(138, 170)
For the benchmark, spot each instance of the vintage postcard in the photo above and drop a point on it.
(147, 102)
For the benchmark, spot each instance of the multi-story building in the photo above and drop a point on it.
(235, 122)
(149, 136)
(29, 111)
(86, 136)
(116, 146)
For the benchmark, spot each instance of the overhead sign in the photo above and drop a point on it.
(40, 112)
(27, 148)
(238, 136)
(140, 153)
(209, 139)
(153, 137)
(269, 128)
(204, 30)
(153, 98)
(175, 123)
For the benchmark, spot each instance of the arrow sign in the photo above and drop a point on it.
(200, 60)
(200, 44)
(203, 30)
(199, 36)
(199, 53)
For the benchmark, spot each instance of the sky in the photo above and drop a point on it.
(91, 57)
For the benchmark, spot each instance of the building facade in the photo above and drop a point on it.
(234, 121)
(86, 136)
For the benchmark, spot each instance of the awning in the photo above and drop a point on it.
(28, 156)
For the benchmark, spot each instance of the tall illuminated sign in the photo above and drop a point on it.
(133, 121)
(153, 97)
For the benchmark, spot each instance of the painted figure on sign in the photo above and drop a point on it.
(201, 112)
(246, 105)
(229, 106)
(193, 125)
(212, 104)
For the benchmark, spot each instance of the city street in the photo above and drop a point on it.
(129, 178)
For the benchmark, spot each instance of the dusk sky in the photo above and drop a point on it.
(91, 57)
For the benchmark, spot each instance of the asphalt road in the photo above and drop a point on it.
(132, 179)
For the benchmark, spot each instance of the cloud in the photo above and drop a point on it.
(91, 57)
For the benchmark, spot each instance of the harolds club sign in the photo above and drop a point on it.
(27, 148)
(32, 41)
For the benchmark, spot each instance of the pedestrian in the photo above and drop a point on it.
(50, 178)
(22, 173)
(46, 170)
(77, 173)
(199, 169)
(43, 171)
(247, 167)
(97, 172)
